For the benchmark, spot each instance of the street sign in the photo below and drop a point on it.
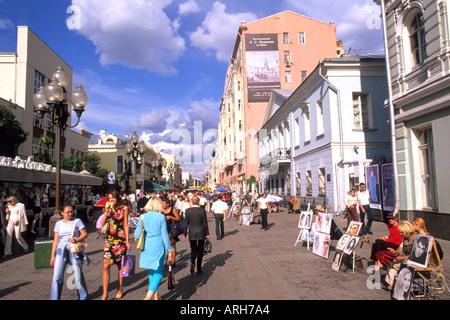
(111, 177)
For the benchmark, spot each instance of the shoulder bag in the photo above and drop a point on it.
(78, 246)
(141, 240)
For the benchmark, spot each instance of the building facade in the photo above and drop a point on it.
(417, 40)
(316, 140)
(22, 73)
(276, 52)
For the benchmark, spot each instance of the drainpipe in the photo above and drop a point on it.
(391, 110)
(341, 139)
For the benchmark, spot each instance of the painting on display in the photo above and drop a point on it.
(323, 222)
(420, 252)
(305, 220)
(337, 261)
(321, 245)
(387, 184)
(343, 241)
(354, 228)
(402, 285)
(373, 185)
(351, 245)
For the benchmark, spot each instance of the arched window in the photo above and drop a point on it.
(417, 39)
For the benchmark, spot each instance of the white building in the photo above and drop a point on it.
(316, 140)
(418, 42)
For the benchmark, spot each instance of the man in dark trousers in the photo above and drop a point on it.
(196, 222)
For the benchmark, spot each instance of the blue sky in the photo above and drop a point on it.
(155, 66)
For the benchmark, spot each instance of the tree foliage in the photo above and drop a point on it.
(11, 131)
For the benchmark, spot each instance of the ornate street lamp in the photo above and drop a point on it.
(136, 151)
(53, 99)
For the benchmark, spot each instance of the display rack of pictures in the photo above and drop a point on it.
(346, 244)
(322, 237)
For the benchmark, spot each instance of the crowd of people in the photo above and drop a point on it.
(160, 212)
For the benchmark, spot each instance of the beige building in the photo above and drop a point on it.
(147, 173)
(22, 73)
(276, 52)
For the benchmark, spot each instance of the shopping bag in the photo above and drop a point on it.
(128, 265)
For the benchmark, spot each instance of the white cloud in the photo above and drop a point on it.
(5, 23)
(218, 31)
(188, 7)
(134, 33)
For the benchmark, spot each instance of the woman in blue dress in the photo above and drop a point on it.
(157, 243)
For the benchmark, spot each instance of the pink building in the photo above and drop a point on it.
(276, 52)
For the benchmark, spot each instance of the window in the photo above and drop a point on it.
(296, 132)
(417, 39)
(119, 165)
(298, 183)
(39, 79)
(287, 76)
(287, 58)
(286, 38)
(427, 168)
(304, 75)
(240, 125)
(308, 182)
(320, 124)
(307, 125)
(361, 116)
(239, 85)
(322, 183)
(301, 38)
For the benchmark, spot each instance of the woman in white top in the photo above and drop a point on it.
(263, 210)
(350, 203)
(61, 254)
(17, 223)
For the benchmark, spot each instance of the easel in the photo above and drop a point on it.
(300, 233)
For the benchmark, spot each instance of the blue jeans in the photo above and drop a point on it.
(62, 258)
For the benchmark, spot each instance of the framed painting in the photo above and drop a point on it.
(305, 220)
(402, 285)
(351, 245)
(337, 261)
(321, 245)
(343, 241)
(354, 228)
(323, 222)
(420, 252)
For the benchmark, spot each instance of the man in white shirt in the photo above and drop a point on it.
(219, 209)
(364, 208)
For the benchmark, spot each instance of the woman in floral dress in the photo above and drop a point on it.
(116, 215)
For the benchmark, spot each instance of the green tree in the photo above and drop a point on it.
(11, 131)
(46, 142)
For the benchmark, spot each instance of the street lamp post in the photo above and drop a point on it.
(136, 151)
(53, 99)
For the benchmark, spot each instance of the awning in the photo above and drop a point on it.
(32, 176)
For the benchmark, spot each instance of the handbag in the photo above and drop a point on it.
(141, 240)
(170, 278)
(105, 228)
(78, 246)
(128, 265)
(208, 247)
(177, 228)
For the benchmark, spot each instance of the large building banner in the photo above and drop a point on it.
(263, 67)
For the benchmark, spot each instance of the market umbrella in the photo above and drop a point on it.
(102, 202)
(221, 189)
(272, 198)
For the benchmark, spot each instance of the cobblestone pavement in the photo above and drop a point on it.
(247, 264)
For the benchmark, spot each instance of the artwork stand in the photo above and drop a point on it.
(300, 233)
